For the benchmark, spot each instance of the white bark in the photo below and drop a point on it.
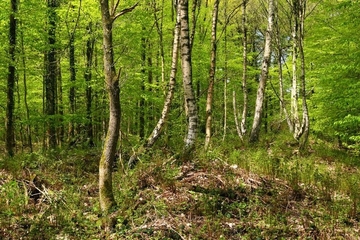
(155, 134)
(189, 95)
(254, 136)
(210, 92)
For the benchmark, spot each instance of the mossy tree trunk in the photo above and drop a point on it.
(51, 72)
(107, 200)
(10, 142)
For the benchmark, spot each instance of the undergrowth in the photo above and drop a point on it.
(267, 191)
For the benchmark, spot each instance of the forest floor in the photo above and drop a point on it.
(257, 193)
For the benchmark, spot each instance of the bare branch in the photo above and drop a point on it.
(124, 11)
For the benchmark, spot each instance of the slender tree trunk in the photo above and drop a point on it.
(283, 110)
(72, 95)
(87, 75)
(189, 96)
(255, 131)
(28, 126)
(243, 127)
(60, 104)
(236, 119)
(10, 139)
(142, 97)
(225, 73)
(107, 201)
(106, 198)
(294, 87)
(155, 134)
(159, 28)
(209, 100)
(51, 74)
(305, 121)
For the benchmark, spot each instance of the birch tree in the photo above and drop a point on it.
(299, 127)
(255, 131)
(210, 92)
(155, 134)
(190, 101)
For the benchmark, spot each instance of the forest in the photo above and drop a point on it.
(181, 119)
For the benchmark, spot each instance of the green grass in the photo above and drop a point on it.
(267, 191)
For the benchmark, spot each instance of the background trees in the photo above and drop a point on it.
(73, 67)
(282, 65)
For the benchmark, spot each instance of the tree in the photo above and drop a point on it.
(51, 71)
(88, 75)
(332, 53)
(72, 64)
(254, 136)
(10, 138)
(106, 197)
(298, 127)
(190, 101)
(155, 134)
(209, 99)
(243, 128)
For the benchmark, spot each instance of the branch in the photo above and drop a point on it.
(124, 11)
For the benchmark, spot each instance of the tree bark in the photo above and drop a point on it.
(87, 75)
(51, 75)
(209, 100)
(155, 134)
(107, 201)
(255, 131)
(106, 196)
(10, 139)
(28, 126)
(305, 121)
(142, 93)
(283, 104)
(294, 89)
(236, 119)
(72, 94)
(243, 128)
(225, 73)
(189, 96)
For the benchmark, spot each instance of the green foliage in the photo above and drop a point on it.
(348, 132)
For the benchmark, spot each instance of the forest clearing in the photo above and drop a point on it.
(185, 119)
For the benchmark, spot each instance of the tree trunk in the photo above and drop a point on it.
(236, 119)
(72, 94)
(51, 74)
(60, 104)
(305, 121)
(159, 28)
(189, 96)
(155, 134)
(254, 136)
(28, 126)
(107, 201)
(225, 73)
(209, 100)
(294, 89)
(142, 93)
(87, 75)
(283, 110)
(106, 196)
(10, 139)
(243, 128)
